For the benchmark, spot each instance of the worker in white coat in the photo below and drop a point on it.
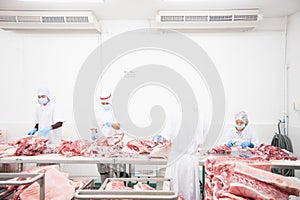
(48, 118)
(185, 171)
(240, 134)
(107, 126)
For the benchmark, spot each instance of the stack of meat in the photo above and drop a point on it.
(30, 145)
(153, 148)
(270, 152)
(228, 178)
(57, 185)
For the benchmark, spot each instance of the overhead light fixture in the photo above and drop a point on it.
(66, 1)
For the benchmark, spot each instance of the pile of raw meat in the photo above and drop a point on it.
(119, 185)
(265, 151)
(270, 152)
(57, 185)
(230, 177)
(112, 146)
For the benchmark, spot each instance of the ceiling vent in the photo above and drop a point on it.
(209, 20)
(48, 20)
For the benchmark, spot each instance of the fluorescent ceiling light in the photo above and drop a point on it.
(66, 1)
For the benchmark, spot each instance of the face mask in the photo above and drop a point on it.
(106, 107)
(43, 101)
(240, 127)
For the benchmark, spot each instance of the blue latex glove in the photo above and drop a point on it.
(94, 136)
(230, 144)
(32, 132)
(109, 124)
(247, 144)
(45, 131)
(157, 138)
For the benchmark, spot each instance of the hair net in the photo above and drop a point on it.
(242, 115)
(43, 91)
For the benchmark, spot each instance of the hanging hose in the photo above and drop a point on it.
(284, 142)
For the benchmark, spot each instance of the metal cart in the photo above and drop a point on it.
(87, 193)
(39, 178)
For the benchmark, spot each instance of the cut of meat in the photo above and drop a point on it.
(142, 187)
(73, 148)
(116, 185)
(30, 145)
(57, 185)
(238, 178)
(221, 149)
(110, 140)
(161, 150)
(269, 152)
(281, 182)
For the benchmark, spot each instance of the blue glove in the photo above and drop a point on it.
(158, 138)
(45, 131)
(32, 132)
(247, 144)
(230, 144)
(108, 124)
(94, 136)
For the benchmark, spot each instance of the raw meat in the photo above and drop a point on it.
(141, 146)
(116, 185)
(161, 150)
(142, 187)
(221, 149)
(269, 152)
(57, 185)
(110, 140)
(229, 177)
(30, 145)
(74, 148)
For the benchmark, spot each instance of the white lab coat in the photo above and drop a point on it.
(247, 135)
(46, 116)
(185, 171)
(106, 116)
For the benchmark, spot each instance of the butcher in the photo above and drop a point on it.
(107, 126)
(48, 118)
(240, 134)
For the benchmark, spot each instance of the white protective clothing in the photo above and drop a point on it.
(247, 135)
(185, 171)
(47, 115)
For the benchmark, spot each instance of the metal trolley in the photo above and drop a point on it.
(101, 193)
(39, 178)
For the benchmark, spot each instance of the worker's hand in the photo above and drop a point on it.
(45, 131)
(116, 126)
(247, 144)
(94, 136)
(230, 144)
(109, 124)
(32, 132)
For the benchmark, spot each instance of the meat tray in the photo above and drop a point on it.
(86, 193)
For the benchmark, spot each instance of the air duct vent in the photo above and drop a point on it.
(48, 20)
(209, 19)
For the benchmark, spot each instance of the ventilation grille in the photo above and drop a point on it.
(6, 18)
(217, 18)
(54, 20)
(245, 17)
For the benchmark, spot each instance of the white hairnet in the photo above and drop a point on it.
(242, 115)
(43, 91)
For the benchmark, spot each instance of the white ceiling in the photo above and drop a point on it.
(147, 9)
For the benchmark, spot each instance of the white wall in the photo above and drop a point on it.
(293, 61)
(250, 65)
